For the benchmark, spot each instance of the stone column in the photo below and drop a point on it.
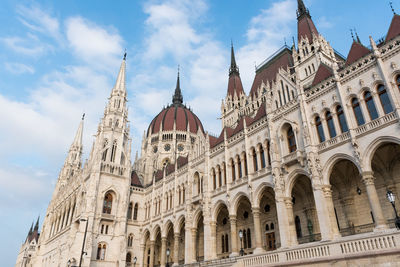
(163, 251)
(234, 245)
(194, 245)
(152, 242)
(283, 221)
(380, 222)
(144, 259)
(325, 213)
(188, 244)
(258, 153)
(176, 249)
(208, 240)
(292, 226)
(213, 247)
(257, 231)
(236, 168)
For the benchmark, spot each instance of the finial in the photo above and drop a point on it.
(358, 38)
(284, 40)
(83, 116)
(391, 6)
(125, 54)
(294, 43)
(352, 35)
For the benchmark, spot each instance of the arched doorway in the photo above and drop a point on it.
(269, 219)
(245, 224)
(385, 164)
(199, 239)
(350, 200)
(157, 247)
(170, 244)
(223, 232)
(147, 249)
(304, 211)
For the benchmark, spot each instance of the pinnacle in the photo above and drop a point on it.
(177, 98)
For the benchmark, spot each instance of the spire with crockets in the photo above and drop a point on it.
(301, 9)
(177, 98)
(233, 68)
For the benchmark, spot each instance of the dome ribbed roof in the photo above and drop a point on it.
(178, 114)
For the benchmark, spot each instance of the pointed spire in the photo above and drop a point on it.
(30, 230)
(37, 224)
(120, 83)
(301, 9)
(233, 68)
(177, 98)
(79, 133)
(357, 38)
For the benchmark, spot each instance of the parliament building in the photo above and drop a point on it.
(305, 171)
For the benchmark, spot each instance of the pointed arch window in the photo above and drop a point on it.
(373, 114)
(214, 179)
(246, 171)
(101, 251)
(239, 163)
(113, 151)
(107, 204)
(128, 257)
(384, 98)
(291, 139)
(135, 211)
(130, 207)
(320, 129)
(233, 170)
(398, 81)
(219, 177)
(254, 154)
(341, 119)
(224, 166)
(223, 243)
(262, 155)
(331, 125)
(357, 111)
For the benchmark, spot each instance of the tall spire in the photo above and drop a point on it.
(120, 83)
(234, 68)
(37, 224)
(79, 133)
(177, 98)
(301, 9)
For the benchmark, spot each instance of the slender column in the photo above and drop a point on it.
(292, 227)
(380, 222)
(234, 240)
(176, 249)
(267, 163)
(144, 260)
(151, 253)
(259, 158)
(194, 245)
(188, 243)
(213, 248)
(257, 231)
(325, 127)
(209, 240)
(70, 214)
(163, 251)
(237, 168)
(325, 212)
(336, 122)
(283, 221)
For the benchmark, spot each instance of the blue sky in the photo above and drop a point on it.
(59, 59)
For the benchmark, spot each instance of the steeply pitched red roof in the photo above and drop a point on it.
(356, 52)
(135, 181)
(214, 141)
(267, 73)
(235, 85)
(394, 29)
(182, 161)
(323, 73)
(305, 28)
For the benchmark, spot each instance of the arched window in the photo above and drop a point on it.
(272, 226)
(223, 243)
(244, 239)
(214, 179)
(226, 243)
(98, 252)
(384, 98)
(262, 155)
(219, 176)
(398, 81)
(254, 154)
(320, 130)
(113, 151)
(357, 111)
(128, 257)
(233, 170)
(287, 92)
(291, 139)
(373, 114)
(341, 119)
(331, 125)
(245, 164)
(248, 238)
(130, 207)
(130, 240)
(267, 227)
(280, 97)
(298, 227)
(101, 252)
(239, 163)
(135, 212)
(223, 164)
(107, 204)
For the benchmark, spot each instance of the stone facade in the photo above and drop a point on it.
(299, 172)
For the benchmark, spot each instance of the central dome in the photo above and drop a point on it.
(178, 114)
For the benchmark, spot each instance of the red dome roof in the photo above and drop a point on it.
(178, 114)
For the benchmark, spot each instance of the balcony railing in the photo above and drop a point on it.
(376, 123)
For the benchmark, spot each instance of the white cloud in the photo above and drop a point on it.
(18, 68)
(265, 35)
(37, 20)
(324, 23)
(29, 45)
(96, 45)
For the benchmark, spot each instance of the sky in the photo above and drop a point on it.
(59, 59)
